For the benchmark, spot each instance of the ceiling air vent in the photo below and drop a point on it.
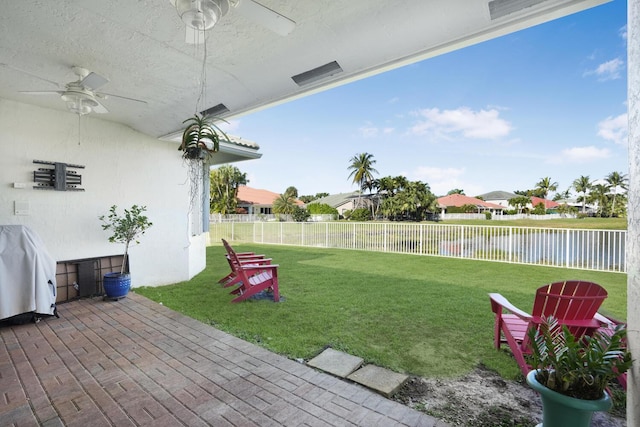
(215, 111)
(321, 72)
(500, 8)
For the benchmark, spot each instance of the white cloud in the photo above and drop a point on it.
(609, 70)
(482, 124)
(623, 32)
(614, 129)
(440, 180)
(230, 126)
(370, 131)
(581, 155)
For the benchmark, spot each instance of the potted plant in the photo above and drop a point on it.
(200, 138)
(572, 374)
(126, 229)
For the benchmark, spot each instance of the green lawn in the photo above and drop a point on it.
(427, 316)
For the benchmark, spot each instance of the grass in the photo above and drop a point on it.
(427, 316)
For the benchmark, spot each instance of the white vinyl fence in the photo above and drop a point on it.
(601, 250)
(264, 217)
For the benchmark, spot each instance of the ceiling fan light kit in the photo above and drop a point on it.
(79, 101)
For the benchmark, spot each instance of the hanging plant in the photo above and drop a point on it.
(201, 137)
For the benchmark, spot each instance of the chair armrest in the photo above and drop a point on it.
(255, 261)
(604, 319)
(580, 323)
(498, 302)
(254, 267)
(249, 255)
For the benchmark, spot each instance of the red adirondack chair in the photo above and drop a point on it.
(244, 258)
(574, 303)
(608, 327)
(252, 277)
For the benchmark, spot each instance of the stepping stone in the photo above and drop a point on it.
(379, 379)
(336, 362)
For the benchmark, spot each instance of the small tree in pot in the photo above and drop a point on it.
(572, 373)
(126, 229)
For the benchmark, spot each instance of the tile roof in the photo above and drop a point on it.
(241, 141)
(254, 196)
(335, 200)
(548, 204)
(459, 200)
(498, 195)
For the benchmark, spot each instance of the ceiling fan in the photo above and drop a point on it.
(80, 95)
(202, 15)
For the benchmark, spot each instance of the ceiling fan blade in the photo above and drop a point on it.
(100, 109)
(94, 81)
(110, 95)
(42, 92)
(11, 67)
(264, 16)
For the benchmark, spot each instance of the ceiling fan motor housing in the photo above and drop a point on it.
(201, 14)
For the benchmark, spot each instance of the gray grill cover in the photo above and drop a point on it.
(27, 273)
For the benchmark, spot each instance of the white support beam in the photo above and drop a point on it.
(633, 236)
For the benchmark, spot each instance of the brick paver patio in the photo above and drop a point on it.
(134, 362)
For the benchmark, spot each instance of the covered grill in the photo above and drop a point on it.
(27, 274)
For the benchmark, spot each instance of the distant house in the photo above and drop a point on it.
(459, 200)
(255, 201)
(502, 198)
(548, 204)
(341, 201)
(588, 208)
(498, 197)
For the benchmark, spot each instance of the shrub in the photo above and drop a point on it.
(321, 209)
(300, 215)
(487, 215)
(360, 214)
(539, 209)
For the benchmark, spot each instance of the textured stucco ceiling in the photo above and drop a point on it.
(139, 46)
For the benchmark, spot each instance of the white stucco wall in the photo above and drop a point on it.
(122, 167)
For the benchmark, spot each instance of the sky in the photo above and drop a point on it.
(548, 101)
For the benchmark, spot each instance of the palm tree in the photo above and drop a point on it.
(284, 204)
(562, 195)
(600, 194)
(582, 185)
(362, 171)
(291, 191)
(616, 180)
(545, 186)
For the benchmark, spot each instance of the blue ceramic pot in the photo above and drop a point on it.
(116, 285)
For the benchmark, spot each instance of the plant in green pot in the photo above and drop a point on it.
(572, 374)
(126, 228)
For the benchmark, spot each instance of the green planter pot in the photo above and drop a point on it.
(559, 410)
